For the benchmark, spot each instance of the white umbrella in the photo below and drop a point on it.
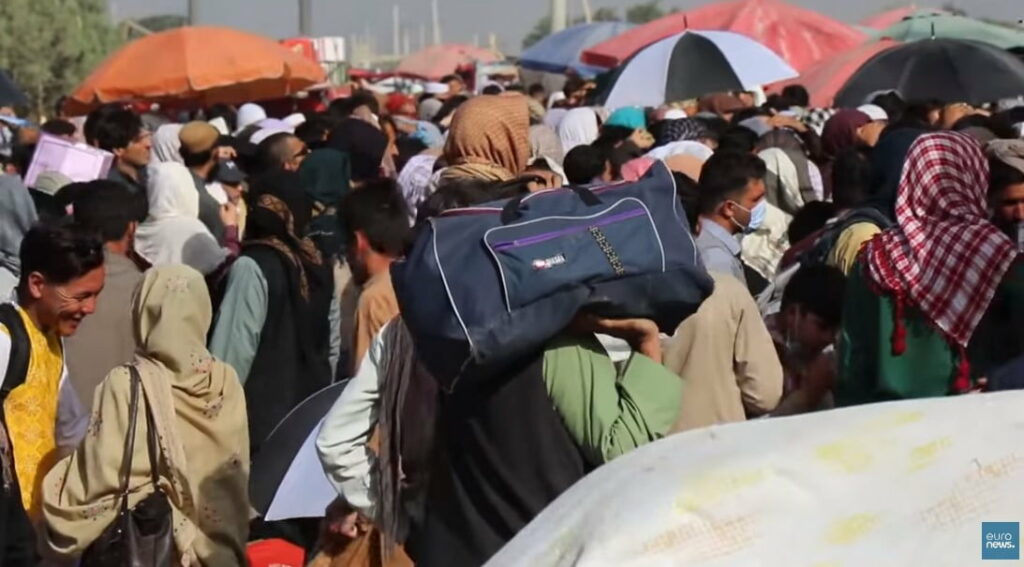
(692, 64)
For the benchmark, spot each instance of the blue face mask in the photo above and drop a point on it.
(757, 215)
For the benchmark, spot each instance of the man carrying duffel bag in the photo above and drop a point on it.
(516, 430)
(483, 286)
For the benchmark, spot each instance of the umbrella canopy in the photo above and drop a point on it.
(561, 51)
(927, 24)
(436, 61)
(887, 18)
(203, 64)
(10, 93)
(692, 64)
(946, 69)
(824, 79)
(286, 480)
(800, 36)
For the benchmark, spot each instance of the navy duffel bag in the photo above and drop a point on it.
(484, 286)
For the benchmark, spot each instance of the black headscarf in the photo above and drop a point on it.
(364, 144)
(278, 217)
(887, 159)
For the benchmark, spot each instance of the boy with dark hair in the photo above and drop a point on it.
(61, 276)
(121, 133)
(106, 339)
(805, 334)
(586, 164)
(376, 233)
(798, 95)
(732, 203)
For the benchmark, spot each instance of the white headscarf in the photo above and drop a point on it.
(688, 147)
(578, 128)
(167, 144)
(250, 113)
(172, 233)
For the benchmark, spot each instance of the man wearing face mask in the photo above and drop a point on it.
(805, 332)
(732, 203)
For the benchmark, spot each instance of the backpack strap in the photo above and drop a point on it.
(17, 363)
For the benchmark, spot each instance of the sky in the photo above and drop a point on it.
(461, 19)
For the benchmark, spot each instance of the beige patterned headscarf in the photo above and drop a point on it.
(489, 139)
(199, 412)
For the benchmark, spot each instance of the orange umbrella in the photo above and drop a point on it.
(436, 61)
(204, 64)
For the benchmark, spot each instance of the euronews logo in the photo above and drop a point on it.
(1000, 540)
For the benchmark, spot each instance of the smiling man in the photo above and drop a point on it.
(62, 275)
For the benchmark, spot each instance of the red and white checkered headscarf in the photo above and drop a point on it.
(943, 257)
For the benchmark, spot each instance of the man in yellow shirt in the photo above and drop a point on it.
(61, 276)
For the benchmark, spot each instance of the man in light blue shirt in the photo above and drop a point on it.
(732, 202)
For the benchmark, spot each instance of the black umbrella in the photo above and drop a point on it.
(10, 93)
(286, 480)
(953, 70)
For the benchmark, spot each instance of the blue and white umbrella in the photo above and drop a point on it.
(561, 51)
(693, 64)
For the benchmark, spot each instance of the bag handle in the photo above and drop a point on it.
(510, 212)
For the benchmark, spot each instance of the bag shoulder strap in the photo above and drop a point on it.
(21, 348)
(129, 441)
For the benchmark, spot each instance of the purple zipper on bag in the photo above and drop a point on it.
(544, 237)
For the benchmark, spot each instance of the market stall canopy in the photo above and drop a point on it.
(824, 79)
(927, 24)
(10, 93)
(693, 64)
(436, 61)
(953, 70)
(561, 51)
(203, 64)
(802, 37)
(904, 483)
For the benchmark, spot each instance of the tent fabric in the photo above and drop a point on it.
(897, 483)
(800, 36)
(561, 51)
(693, 64)
(946, 69)
(927, 24)
(436, 61)
(824, 79)
(203, 63)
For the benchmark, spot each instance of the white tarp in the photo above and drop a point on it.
(898, 484)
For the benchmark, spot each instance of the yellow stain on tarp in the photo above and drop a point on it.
(707, 489)
(891, 421)
(850, 529)
(849, 455)
(924, 456)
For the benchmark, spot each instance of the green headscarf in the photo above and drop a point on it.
(326, 176)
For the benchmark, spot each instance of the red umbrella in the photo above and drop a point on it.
(824, 79)
(437, 61)
(800, 36)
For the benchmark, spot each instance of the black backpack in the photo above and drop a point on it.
(17, 363)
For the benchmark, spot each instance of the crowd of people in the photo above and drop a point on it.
(232, 264)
